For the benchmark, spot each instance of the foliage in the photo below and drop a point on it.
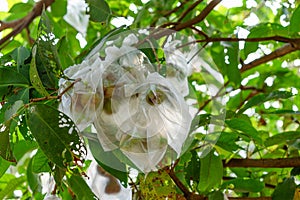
(259, 62)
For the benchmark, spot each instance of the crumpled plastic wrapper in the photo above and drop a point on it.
(133, 108)
(82, 101)
(150, 119)
(180, 64)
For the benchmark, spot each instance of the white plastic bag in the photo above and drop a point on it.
(82, 100)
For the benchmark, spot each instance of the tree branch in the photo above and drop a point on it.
(190, 23)
(189, 9)
(24, 22)
(260, 39)
(263, 163)
(187, 193)
(58, 96)
(175, 9)
(179, 184)
(286, 49)
(198, 18)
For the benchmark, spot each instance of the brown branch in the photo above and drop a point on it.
(293, 45)
(189, 23)
(169, 13)
(199, 32)
(260, 39)
(43, 98)
(20, 24)
(198, 18)
(179, 184)
(189, 9)
(286, 49)
(58, 96)
(175, 9)
(264, 163)
(187, 193)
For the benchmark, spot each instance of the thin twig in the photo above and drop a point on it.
(69, 87)
(43, 98)
(200, 32)
(260, 39)
(179, 184)
(19, 25)
(189, 9)
(264, 163)
(58, 96)
(175, 9)
(286, 49)
(188, 23)
(198, 18)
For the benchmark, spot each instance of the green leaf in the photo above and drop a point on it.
(99, 10)
(282, 112)
(211, 172)
(227, 141)
(20, 94)
(245, 127)
(80, 188)
(295, 171)
(245, 185)
(285, 190)
(13, 111)
(40, 162)
(21, 7)
(56, 135)
(20, 55)
(217, 49)
(263, 30)
(5, 149)
(108, 161)
(193, 168)
(261, 98)
(59, 8)
(9, 76)
(22, 147)
(282, 138)
(24, 130)
(232, 71)
(216, 195)
(11, 186)
(66, 58)
(4, 164)
(34, 75)
(33, 179)
(58, 175)
(295, 21)
(46, 57)
(250, 47)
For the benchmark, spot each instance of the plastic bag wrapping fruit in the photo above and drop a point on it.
(82, 100)
(147, 120)
(180, 64)
(132, 107)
